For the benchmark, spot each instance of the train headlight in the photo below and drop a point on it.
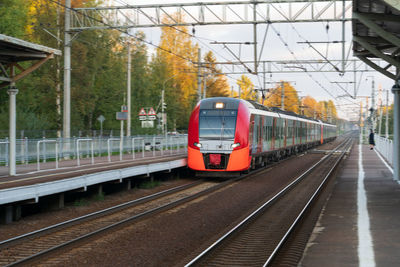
(198, 145)
(219, 105)
(235, 145)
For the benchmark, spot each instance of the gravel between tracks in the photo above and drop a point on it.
(174, 237)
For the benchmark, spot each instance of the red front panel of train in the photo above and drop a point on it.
(239, 158)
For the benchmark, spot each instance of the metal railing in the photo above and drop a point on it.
(40, 151)
(45, 151)
(88, 140)
(385, 147)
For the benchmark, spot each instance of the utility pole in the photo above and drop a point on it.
(373, 121)
(204, 83)
(164, 130)
(343, 35)
(380, 117)
(255, 36)
(396, 129)
(58, 86)
(199, 75)
(282, 95)
(387, 115)
(128, 126)
(361, 122)
(67, 72)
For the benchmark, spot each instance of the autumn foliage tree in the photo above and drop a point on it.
(246, 88)
(291, 99)
(216, 83)
(177, 53)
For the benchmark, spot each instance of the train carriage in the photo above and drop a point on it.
(231, 135)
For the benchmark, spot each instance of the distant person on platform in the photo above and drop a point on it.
(371, 140)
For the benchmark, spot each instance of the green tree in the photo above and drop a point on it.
(14, 17)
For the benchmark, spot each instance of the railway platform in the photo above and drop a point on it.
(360, 223)
(30, 185)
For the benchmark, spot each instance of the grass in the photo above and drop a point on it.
(149, 184)
(81, 202)
(99, 197)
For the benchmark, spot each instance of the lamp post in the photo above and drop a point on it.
(372, 102)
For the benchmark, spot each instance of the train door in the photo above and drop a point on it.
(267, 133)
(270, 132)
(251, 133)
(273, 139)
(285, 132)
(256, 132)
(281, 133)
(260, 133)
(278, 133)
(288, 134)
(322, 133)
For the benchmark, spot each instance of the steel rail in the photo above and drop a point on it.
(142, 215)
(306, 207)
(98, 213)
(264, 206)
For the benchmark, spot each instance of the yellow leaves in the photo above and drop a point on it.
(35, 9)
(246, 88)
(323, 110)
(291, 99)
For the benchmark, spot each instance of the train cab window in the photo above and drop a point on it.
(217, 124)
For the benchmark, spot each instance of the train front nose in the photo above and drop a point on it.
(212, 147)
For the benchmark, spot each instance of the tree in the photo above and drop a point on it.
(291, 99)
(309, 105)
(246, 88)
(216, 83)
(14, 17)
(178, 53)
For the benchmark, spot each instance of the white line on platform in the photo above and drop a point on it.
(366, 256)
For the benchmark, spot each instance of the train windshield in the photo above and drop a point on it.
(217, 124)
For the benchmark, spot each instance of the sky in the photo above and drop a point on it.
(321, 86)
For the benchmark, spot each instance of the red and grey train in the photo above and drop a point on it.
(232, 135)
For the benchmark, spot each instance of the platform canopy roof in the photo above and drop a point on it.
(13, 51)
(376, 34)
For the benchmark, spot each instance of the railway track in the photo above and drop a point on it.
(32, 247)
(259, 238)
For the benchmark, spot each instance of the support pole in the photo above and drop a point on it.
(163, 112)
(255, 36)
(199, 75)
(67, 73)
(343, 35)
(380, 118)
(121, 141)
(361, 123)
(128, 126)
(204, 84)
(13, 91)
(373, 119)
(387, 115)
(396, 128)
(58, 73)
(282, 96)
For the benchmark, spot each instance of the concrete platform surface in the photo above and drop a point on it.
(360, 223)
